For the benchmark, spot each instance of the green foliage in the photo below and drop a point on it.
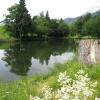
(47, 16)
(46, 27)
(58, 28)
(4, 35)
(92, 27)
(41, 24)
(10, 18)
(18, 21)
(20, 24)
(23, 20)
(63, 28)
(76, 27)
(87, 26)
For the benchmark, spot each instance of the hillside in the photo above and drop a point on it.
(71, 20)
(97, 13)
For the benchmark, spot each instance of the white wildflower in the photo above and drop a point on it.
(73, 90)
(63, 79)
(34, 98)
(87, 92)
(97, 98)
(47, 92)
(79, 89)
(62, 95)
(81, 72)
(94, 84)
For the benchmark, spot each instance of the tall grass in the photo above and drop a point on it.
(21, 90)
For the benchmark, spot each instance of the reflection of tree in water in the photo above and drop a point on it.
(18, 58)
(19, 55)
(89, 51)
(43, 51)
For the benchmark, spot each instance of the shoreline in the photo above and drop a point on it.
(33, 85)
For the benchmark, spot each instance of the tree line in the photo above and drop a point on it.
(21, 25)
(86, 25)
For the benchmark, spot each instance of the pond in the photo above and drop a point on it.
(19, 59)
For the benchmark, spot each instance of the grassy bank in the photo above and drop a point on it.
(81, 37)
(4, 35)
(22, 89)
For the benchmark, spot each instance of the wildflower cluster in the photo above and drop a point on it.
(47, 92)
(80, 88)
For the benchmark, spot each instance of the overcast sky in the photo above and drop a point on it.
(57, 8)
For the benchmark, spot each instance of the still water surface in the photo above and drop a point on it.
(28, 58)
(19, 59)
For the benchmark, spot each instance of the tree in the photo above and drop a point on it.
(47, 16)
(92, 27)
(46, 27)
(58, 28)
(76, 28)
(21, 21)
(63, 28)
(10, 18)
(41, 24)
(22, 2)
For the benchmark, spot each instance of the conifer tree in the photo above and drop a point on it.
(19, 20)
(23, 20)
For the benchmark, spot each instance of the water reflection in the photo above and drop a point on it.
(89, 51)
(27, 58)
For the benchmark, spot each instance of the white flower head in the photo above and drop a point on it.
(47, 92)
(81, 72)
(34, 98)
(97, 98)
(63, 78)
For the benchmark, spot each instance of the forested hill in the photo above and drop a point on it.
(97, 13)
(71, 20)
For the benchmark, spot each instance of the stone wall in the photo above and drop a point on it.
(89, 51)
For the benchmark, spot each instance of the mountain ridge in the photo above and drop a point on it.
(70, 20)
